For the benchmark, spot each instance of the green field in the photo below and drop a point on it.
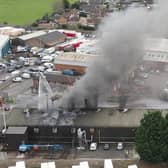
(20, 12)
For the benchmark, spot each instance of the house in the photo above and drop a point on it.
(62, 20)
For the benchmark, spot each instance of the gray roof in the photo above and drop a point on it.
(32, 35)
(107, 117)
(52, 37)
(16, 130)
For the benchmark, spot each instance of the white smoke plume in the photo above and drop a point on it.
(121, 40)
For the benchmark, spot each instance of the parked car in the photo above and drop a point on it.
(18, 66)
(120, 146)
(49, 70)
(93, 146)
(27, 62)
(17, 79)
(32, 71)
(70, 72)
(25, 75)
(16, 72)
(11, 69)
(106, 146)
(37, 62)
(46, 59)
(48, 65)
(41, 68)
(2, 65)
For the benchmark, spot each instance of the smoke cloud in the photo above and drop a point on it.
(121, 40)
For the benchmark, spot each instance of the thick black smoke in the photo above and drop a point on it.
(121, 40)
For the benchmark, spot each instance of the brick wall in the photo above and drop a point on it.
(61, 67)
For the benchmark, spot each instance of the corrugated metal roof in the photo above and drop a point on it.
(3, 39)
(16, 130)
(73, 58)
(51, 37)
(32, 35)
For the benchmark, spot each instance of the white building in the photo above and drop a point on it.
(156, 52)
(11, 31)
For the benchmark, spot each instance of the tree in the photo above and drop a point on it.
(165, 139)
(66, 4)
(151, 142)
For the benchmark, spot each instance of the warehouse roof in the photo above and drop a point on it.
(3, 39)
(106, 117)
(32, 35)
(52, 37)
(111, 117)
(156, 44)
(73, 58)
(11, 31)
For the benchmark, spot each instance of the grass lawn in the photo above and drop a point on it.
(20, 12)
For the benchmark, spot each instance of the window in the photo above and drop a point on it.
(36, 130)
(73, 130)
(54, 130)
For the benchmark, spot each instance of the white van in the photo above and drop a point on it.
(48, 65)
(46, 59)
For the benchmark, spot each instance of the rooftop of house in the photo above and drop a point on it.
(32, 35)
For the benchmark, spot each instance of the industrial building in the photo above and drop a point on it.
(4, 45)
(11, 31)
(43, 39)
(73, 61)
(107, 125)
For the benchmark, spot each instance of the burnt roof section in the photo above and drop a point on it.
(52, 37)
(106, 117)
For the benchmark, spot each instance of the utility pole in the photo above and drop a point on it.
(47, 101)
(4, 119)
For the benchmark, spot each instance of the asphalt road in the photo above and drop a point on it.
(17, 88)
